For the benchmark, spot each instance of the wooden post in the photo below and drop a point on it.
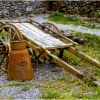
(84, 56)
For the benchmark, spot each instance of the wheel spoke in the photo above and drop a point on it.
(14, 36)
(9, 30)
(3, 59)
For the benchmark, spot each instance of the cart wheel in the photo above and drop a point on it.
(1, 23)
(52, 27)
(56, 29)
(8, 32)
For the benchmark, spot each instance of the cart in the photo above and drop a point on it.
(43, 39)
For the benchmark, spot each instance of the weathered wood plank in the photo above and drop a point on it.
(40, 37)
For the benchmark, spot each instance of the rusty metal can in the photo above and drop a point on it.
(19, 67)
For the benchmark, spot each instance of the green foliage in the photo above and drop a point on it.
(64, 19)
(67, 96)
(71, 19)
(97, 73)
(88, 96)
(26, 88)
(91, 25)
(89, 83)
(3, 33)
(96, 15)
(62, 31)
(15, 83)
(50, 95)
(71, 58)
(91, 44)
(81, 95)
(57, 15)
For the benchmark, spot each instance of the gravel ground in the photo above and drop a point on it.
(42, 73)
(16, 92)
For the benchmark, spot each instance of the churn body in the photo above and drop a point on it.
(19, 67)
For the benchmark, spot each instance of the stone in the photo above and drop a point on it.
(29, 8)
(22, 7)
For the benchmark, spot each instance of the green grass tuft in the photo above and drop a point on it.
(61, 18)
(26, 88)
(15, 83)
(50, 95)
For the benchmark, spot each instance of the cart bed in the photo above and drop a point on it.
(39, 37)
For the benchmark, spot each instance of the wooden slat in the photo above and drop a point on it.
(39, 37)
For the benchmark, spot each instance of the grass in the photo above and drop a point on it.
(89, 24)
(26, 85)
(15, 83)
(68, 86)
(96, 14)
(72, 90)
(26, 88)
(72, 19)
(50, 95)
(61, 18)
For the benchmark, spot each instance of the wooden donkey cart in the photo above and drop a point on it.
(43, 39)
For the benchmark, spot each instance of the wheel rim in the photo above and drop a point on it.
(52, 27)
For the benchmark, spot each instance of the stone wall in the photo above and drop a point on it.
(84, 8)
(15, 8)
(12, 8)
(80, 7)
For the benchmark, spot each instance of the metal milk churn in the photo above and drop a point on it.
(19, 67)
